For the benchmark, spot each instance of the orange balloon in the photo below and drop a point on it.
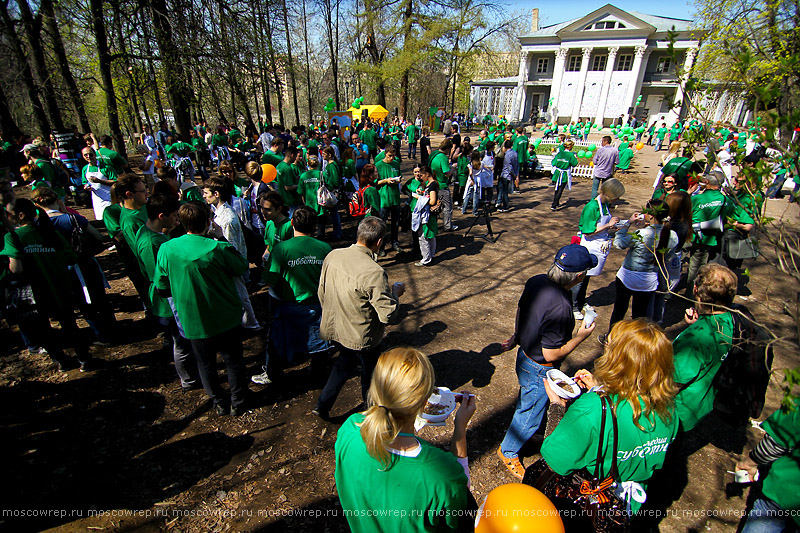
(640, 146)
(268, 173)
(518, 508)
(158, 163)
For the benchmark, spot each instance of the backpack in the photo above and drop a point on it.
(62, 176)
(358, 207)
(325, 197)
(742, 380)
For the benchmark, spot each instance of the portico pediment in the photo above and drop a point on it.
(607, 21)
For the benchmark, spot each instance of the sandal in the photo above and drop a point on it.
(513, 464)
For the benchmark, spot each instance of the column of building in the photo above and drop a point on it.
(635, 87)
(519, 93)
(691, 53)
(576, 106)
(555, 88)
(601, 106)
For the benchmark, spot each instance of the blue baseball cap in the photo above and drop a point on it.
(574, 258)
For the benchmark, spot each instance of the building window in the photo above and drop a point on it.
(495, 110)
(508, 102)
(625, 62)
(599, 63)
(605, 25)
(664, 63)
(542, 64)
(574, 64)
(483, 100)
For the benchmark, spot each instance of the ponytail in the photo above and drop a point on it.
(401, 384)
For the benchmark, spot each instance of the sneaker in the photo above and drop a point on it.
(513, 464)
(239, 410)
(382, 253)
(577, 314)
(420, 264)
(454, 227)
(261, 379)
(396, 247)
(221, 409)
(316, 411)
(87, 366)
(552, 208)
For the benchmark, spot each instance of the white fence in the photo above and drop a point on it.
(581, 171)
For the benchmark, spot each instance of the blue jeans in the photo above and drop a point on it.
(503, 186)
(531, 405)
(472, 195)
(768, 517)
(596, 185)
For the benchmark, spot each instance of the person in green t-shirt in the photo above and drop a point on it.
(277, 226)
(625, 157)
(638, 353)
(293, 273)
(440, 165)
(701, 348)
(521, 147)
(709, 210)
(108, 157)
(563, 163)
(382, 465)
(162, 217)
(368, 136)
(412, 135)
(131, 190)
(37, 250)
(388, 185)
(332, 176)
(198, 272)
(287, 180)
(309, 185)
(661, 133)
(777, 507)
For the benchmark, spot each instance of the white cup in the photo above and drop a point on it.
(588, 317)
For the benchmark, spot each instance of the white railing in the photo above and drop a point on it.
(581, 171)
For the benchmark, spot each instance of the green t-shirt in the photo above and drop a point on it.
(483, 143)
(219, 140)
(199, 273)
(440, 166)
(748, 207)
(411, 133)
(389, 192)
(294, 268)
(565, 160)
(192, 194)
(181, 149)
(199, 143)
(275, 233)
(130, 220)
(661, 133)
(107, 173)
(705, 207)
(678, 167)
(111, 158)
(111, 215)
(271, 158)
(48, 170)
(699, 351)
(573, 444)
(287, 177)
(433, 484)
(462, 170)
(147, 244)
(368, 138)
(331, 175)
(521, 147)
(45, 266)
(784, 473)
(373, 199)
(307, 189)
(349, 168)
(625, 158)
(590, 216)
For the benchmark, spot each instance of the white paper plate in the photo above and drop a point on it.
(443, 397)
(557, 375)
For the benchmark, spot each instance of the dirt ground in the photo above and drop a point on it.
(123, 448)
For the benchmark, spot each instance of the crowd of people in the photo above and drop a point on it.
(197, 251)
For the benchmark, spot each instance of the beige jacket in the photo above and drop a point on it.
(356, 298)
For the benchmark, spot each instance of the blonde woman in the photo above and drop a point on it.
(377, 451)
(635, 373)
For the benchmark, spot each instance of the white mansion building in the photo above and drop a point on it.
(596, 66)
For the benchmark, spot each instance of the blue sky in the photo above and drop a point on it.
(554, 12)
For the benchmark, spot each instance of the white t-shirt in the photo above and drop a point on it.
(152, 158)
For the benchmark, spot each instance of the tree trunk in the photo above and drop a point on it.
(407, 24)
(137, 119)
(61, 58)
(33, 29)
(291, 64)
(262, 65)
(172, 64)
(27, 75)
(103, 52)
(9, 126)
(274, 67)
(217, 104)
(151, 71)
(328, 13)
(308, 63)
